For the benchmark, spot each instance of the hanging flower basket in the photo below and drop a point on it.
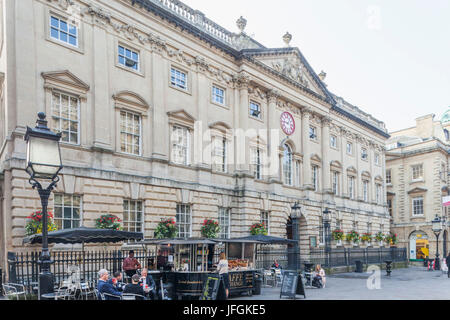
(379, 237)
(210, 229)
(166, 229)
(338, 235)
(352, 236)
(366, 237)
(391, 239)
(258, 228)
(34, 223)
(108, 221)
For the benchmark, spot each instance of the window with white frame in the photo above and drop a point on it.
(180, 145)
(312, 132)
(265, 219)
(224, 223)
(128, 58)
(255, 110)
(335, 182)
(333, 141)
(388, 176)
(178, 79)
(218, 95)
(377, 159)
(351, 187)
(417, 204)
(67, 211)
(349, 148)
(184, 221)
(297, 173)
(256, 156)
(365, 190)
(220, 154)
(417, 172)
(315, 177)
(287, 165)
(389, 203)
(66, 116)
(63, 31)
(132, 216)
(364, 155)
(378, 193)
(130, 132)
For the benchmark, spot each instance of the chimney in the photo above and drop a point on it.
(425, 126)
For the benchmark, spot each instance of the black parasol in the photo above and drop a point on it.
(262, 239)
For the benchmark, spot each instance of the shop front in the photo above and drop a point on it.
(419, 246)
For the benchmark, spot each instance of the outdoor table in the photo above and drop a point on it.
(54, 295)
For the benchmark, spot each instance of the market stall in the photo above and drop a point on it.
(192, 260)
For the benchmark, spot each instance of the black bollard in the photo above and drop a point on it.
(388, 267)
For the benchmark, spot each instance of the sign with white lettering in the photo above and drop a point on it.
(292, 285)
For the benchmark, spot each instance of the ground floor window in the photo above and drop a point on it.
(224, 223)
(67, 213)
(183, 219)
(132, 216)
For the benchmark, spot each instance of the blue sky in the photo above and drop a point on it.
(390, 58)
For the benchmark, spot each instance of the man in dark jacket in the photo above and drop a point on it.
(104, 286)
(135, 288)
(147, 280)
(447, 261)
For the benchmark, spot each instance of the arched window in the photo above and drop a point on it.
(287, 165)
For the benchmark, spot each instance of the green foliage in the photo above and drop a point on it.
(210, 229)
(258, 228)
(34, 223)
(108, 221)
(166, 229)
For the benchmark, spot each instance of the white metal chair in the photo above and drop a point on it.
(269, 278)
(86, 290)
(14, 290)
(105, 296)
(278, 277)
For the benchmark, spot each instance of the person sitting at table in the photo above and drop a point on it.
(135, 288)
(103, 286)
(276, 265)
(131, 264)
(116, 281)
(147, 280)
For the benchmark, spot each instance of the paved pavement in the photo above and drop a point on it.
(413, 283)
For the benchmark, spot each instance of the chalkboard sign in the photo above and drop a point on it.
(211, 288)
(292, 285)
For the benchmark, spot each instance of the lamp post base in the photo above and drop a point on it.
(437, 263)
(46, 284)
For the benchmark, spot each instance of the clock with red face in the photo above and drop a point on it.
(287, 123)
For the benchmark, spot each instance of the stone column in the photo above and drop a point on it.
(243, 154)
(307, 183)
(326, 182)
(343, 149)
(273, 139)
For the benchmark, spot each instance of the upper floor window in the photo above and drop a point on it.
(132, 215)
(287, 165)
(183, 219)
(180, 145)
(315, 177)
(178, 79)
(220, 154)
(265, 219)
(365, 190)
(364, 155)
(312, 133)
(130, 132)
(351, 187)
(335, 182)
(224, 223)
(389, 203)
(67, 211)
(255, 110)
(417, 206)
(388, 176)
(333, 141)
(417, 172)
(377, 159)
(256, 155)
(63, 31)
(218, 95)
(65, 115)
(349, 148)
(128, 58)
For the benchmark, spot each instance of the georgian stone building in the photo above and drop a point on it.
(164, 113)
(417, 179)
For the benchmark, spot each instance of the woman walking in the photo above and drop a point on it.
(222, 268)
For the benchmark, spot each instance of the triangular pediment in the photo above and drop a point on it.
(417, 190)
(289, 62)
(130, 98)
(64, 78)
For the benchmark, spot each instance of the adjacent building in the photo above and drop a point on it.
(417, 180)
(164, 113)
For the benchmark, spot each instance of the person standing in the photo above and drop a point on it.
(447, 261)
(222, 269)
(131, 264)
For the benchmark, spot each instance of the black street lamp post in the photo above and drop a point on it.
(296, 211)
(43, 165)
(437, 228)
(326, 225)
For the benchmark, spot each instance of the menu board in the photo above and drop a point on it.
(211, 288)
(292, 285)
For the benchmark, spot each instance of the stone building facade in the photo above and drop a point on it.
(417, 179)
(164, 113)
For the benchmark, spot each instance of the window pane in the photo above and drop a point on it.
(63, 36)
(54, 33)
(67, 224)
(63, 25)
(54, 22)
(67, 213)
